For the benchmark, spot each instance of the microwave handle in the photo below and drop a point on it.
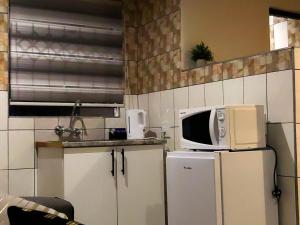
(211, 126)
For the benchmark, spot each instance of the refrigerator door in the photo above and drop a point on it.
(191, 188)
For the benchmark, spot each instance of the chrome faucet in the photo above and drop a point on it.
(74, 133)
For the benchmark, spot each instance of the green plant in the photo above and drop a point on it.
(202, 51)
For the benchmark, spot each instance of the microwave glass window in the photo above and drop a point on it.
(196, 128)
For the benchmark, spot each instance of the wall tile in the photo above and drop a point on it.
(294, 32)
(3, 110)
(233, 91)
(297, 58)
(255, 65)
(131, 43)
(196, 96)
(3, 41)
(3, 23)
(131, 101)
(117, 122)
(170, 134)
(297, 95)
(143, 79)
(45, 123)
(21, 149)
(4, 181)
(233, 69)
(21, 182)
(154, 74)
(181, 79)
(4, 6)
(281, 39)
(3, 71)
(213, 72)
(154, 109)
(287, 204)
(94, 122)
(214, 93)
(298, 148)
(196, 76)
(45, 135)
(177, 139)
(255, 90)
(129, 12)
(166, 78)
(21, 123)
(281, 137)
(175, 29)
(3, 150)
(280, 96)
(131, 77)
(144, 104)
(279, 60)
(181, 101)
(95, 134)
(167, 109)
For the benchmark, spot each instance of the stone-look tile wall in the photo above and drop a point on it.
(289, 29)
(152, 49)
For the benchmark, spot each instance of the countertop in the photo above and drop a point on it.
(83, 144)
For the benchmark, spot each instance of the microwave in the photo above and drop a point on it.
(235, 127)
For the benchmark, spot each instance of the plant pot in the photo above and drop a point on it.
(201, 62)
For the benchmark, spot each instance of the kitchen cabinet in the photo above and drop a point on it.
(116, 185)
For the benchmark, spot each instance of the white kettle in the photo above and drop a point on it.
(136, 122)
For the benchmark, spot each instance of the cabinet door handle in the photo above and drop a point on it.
(113, 162)
(123, 161)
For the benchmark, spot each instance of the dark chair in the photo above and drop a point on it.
(58, 204)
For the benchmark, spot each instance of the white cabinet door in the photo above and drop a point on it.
(90, 186)
(141, 186)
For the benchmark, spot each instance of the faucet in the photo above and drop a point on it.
(74, 133)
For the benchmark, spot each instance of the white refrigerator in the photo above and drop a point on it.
(221, 188)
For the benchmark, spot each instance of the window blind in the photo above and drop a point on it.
(60, 56)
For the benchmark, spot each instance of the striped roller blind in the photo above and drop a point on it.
(60, 54)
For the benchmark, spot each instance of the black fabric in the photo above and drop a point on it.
(20, 216)
(58, 204)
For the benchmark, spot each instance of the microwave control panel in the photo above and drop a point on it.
(221, 129)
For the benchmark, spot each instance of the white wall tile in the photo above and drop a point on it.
(45, 135)
(170, 134)
(117, 122)
(281, 35)
(96, 122)
(45, 123)
(21, 123)
(143, 101)
(131, 101)
(3, 150)
(181, 101)
(287, 203)
(21, 182)
(233, 91)
(3, 110)
(21, 149)
(177, 139)
(167, 109)
(214, 93)
(255, 90)
(95, 134)
(4, 181)
(154, 109)
(280, 96)
(281, 137)
(196, 96)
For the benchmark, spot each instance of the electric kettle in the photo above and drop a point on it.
(136, 121)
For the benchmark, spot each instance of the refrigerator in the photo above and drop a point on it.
(221, 188)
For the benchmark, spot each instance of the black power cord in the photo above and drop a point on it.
(277, 191)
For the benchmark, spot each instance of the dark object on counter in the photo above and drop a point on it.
(58, 204)
(20, 216)
(117, 134)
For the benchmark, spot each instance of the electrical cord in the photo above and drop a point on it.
(277, 191)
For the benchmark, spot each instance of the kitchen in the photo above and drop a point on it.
(156, 83)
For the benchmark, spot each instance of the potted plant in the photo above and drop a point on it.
(201, 54)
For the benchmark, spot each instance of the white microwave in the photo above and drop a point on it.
(235, 127)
